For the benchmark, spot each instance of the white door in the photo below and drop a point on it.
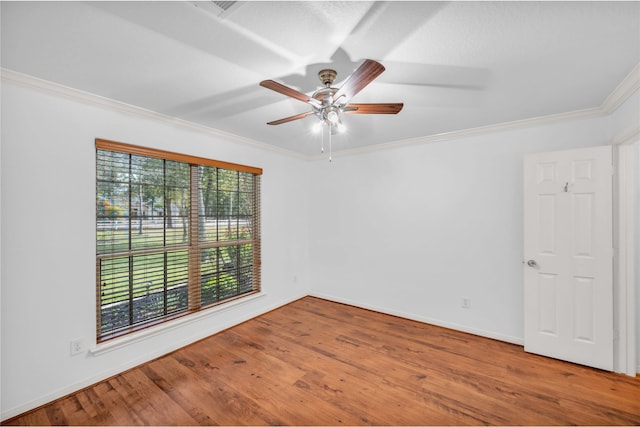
(568, 273)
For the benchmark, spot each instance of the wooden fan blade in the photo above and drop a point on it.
(360, 78)
(290, 119)
(389, 108)
(286, 90)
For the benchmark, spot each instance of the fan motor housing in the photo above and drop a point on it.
(325, 95)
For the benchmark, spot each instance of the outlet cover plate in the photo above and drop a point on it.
(77, 346)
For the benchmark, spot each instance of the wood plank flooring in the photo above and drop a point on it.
(315, 362)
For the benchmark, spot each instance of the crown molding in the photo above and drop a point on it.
(471, 132)
(620, 94)
(25, 80)
(623, 91)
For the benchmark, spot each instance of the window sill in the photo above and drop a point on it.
(134, 337)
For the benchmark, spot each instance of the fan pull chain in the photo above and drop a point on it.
(330, 143)
(322, 139)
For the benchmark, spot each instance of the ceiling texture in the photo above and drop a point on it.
(454, 65)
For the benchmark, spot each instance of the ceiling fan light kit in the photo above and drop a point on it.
(329, 103)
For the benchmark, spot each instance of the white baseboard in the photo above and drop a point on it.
(423, 319)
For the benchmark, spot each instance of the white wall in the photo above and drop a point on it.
(637, 249)
(48, 240)
(412, 231)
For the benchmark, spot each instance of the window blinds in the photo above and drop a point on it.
(175, 234)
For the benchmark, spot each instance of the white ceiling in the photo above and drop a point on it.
(455, 65)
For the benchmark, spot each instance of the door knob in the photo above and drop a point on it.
(532, 263)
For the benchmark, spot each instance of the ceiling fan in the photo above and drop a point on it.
(329, 103)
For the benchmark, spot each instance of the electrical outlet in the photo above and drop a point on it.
(77, 346)
(466, 303)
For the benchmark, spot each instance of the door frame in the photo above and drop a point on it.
(624, 235)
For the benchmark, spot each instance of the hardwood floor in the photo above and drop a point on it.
(315, 362)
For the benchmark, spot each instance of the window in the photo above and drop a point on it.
(175, 234)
